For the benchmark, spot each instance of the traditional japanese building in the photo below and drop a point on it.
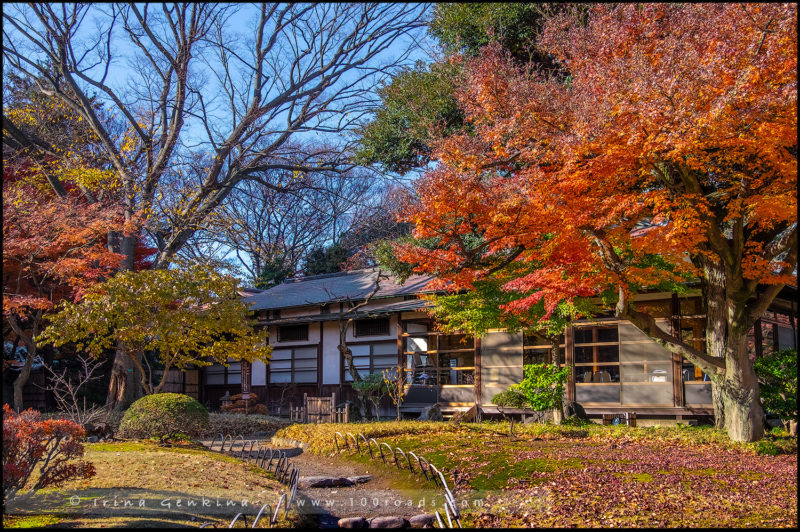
(616, 367)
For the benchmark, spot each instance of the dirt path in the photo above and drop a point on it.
(381, 496)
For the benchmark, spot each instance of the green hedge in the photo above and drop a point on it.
(164, 416)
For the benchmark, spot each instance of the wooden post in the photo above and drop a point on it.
(477, 379)
(401, 359)
(677, 360)
(331, 418)
(319, 361)
(568, 358)
(304, 412)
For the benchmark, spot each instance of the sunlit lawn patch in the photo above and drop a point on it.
(142, 484)
(595, 476)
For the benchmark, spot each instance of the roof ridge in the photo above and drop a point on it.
(326, 275)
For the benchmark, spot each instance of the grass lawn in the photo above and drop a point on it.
(141, 484)
(595, 476)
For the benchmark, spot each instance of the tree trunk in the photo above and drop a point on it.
(22, 378)
(30, 345)
(555, 357)
(125, 387)
(739, 391)
(716, 327)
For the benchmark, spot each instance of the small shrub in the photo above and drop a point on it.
(766, 447)
(29, 440)
(575, 421)
(777, 377)
(163, 416)
(543, 385)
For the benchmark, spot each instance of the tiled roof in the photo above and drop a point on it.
(373, 312)
(320, 289)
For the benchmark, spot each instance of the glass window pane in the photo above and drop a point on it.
(305, 352)
(281, 354)
(235, 377)
(384, 361)
(384, 349)
(305, 376)
(608, 353)
(417, 344)
(360, 350)
(278, 365)
(582, 335)
(305, 363)
(584, 355)
(585, 374)
(280, 376)
(607, 334)
(535, 356)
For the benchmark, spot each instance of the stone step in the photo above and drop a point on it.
(418, 521)
(331, 482)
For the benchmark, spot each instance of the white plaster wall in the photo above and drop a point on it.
(330, 353)
(311, 310)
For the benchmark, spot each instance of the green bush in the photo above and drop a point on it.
(164, 416)
(777, 377)
(543, 385)
(510, 398)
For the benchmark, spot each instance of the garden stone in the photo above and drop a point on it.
(465, 416)
(324, 482)
(353, 522)
(92, 439)
(431, 413)
(575, 409)
(259, 434)
(388, 522)
(422, 521)
(360, 479)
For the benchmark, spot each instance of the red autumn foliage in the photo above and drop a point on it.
(53, 248)
(683, 117)
(680, 119)
(52, 444)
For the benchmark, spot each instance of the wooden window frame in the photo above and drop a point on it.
(294, 327)
(292, 369)
(372, 321)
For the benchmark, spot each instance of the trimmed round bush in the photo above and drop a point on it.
(164, 416)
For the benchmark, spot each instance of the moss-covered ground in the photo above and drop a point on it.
(593, 475)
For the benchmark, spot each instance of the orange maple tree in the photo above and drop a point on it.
(53, 249)
(669, 153)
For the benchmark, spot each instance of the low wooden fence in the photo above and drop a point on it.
(319, 410)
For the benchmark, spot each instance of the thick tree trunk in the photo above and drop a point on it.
(735, 392)
(30, 345)
(739, 393)
(22, 379)
(716, 327)
(125, 386)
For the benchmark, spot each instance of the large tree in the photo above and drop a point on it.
(53, 250)
(186, 316)
(420, 103)
(670, 153)
(202, 97)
